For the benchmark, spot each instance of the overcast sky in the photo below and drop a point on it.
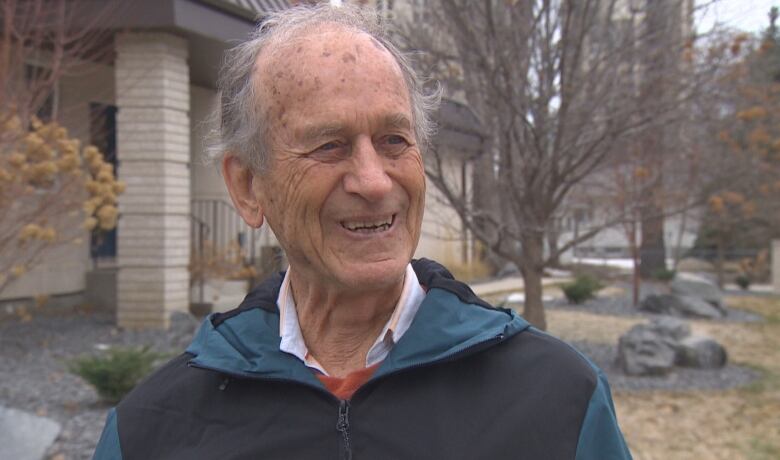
(748, 15)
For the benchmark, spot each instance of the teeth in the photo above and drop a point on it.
(368, 227)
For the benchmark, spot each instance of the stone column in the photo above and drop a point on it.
(776, 266)
(153, 144)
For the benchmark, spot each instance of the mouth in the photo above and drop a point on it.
(369, 225)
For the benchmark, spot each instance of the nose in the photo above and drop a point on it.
(367, 176)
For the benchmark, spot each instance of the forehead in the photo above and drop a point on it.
(329, 65)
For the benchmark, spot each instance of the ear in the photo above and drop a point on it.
(239, 179)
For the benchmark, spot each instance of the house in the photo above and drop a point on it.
(148, 108)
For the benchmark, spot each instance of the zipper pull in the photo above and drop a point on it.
(343, 422)
(224, 384)
(342, 426)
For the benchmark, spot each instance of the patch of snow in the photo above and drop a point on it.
(519, 297)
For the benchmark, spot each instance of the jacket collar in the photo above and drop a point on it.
(451, 321)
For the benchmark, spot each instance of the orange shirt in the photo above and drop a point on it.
(344, 388)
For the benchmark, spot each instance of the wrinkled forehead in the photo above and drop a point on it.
(328, 52)
(321, 40)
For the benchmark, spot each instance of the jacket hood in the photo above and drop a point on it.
(451, 320)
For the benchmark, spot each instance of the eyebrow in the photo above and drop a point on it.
(313, 133)
(398, 120)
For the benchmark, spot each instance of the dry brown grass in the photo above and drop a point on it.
(741, 423)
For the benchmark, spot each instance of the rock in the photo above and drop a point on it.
(701, 352)
(694, 307)
(647, 349)
(25, 436)
(672, 328)
(697, 286)
(679, 305)
(658, 303)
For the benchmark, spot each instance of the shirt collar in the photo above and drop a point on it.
(405, 310)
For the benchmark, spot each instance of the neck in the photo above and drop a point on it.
(340, 325)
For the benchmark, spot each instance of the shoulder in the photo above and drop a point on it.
(172, 383)
(538, 361)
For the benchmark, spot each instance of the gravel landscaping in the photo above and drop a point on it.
(679, 379)
(34, 376)
(622, 305)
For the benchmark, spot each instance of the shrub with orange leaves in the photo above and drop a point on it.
(52, 190)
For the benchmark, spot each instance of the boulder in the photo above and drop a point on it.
(701, 352)
(661, 304)
(671, 328)
(697, 286)
(680, 305)
(648, 349)
(694, 307)
(25, 436)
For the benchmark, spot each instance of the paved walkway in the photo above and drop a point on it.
(507, 285)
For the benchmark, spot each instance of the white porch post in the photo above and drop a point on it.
(153, 140)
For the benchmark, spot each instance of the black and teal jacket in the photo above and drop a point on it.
(466, 381)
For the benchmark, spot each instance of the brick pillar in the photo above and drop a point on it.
(153, 143)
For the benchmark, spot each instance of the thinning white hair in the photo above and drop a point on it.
(241, 129)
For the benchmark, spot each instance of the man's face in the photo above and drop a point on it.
(345, 189)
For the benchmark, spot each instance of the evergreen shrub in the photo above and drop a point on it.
(583, 287)
(117, 371)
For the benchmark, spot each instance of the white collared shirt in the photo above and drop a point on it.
(292, 342)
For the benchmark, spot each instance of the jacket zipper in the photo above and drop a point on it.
(342, 423)
(342, 426)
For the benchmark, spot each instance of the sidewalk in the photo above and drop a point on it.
(508, 285)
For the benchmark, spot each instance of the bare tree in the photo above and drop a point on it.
(554, 85)
(51, 188)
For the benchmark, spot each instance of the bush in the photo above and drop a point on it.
(743, 281)
(663, 274)
(116, 372)
(583, 287)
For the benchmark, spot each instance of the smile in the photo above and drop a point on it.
(377, 225)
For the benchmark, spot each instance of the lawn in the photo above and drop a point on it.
(741, 423)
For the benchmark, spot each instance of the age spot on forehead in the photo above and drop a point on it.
(348, 57)
(326, 53)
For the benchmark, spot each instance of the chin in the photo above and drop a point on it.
(363, 275)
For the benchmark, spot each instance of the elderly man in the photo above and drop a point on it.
(354, 352)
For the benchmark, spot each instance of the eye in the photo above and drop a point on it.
(328, 146)
(330, 152)
(392, 145)
(396, 140)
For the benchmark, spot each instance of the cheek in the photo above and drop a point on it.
(288, 195)
(411, 175)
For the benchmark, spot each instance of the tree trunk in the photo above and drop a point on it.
(637, 281)
(720, 259)
(662, 27)
(532, 269)
(552, 244)
(652, 252)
